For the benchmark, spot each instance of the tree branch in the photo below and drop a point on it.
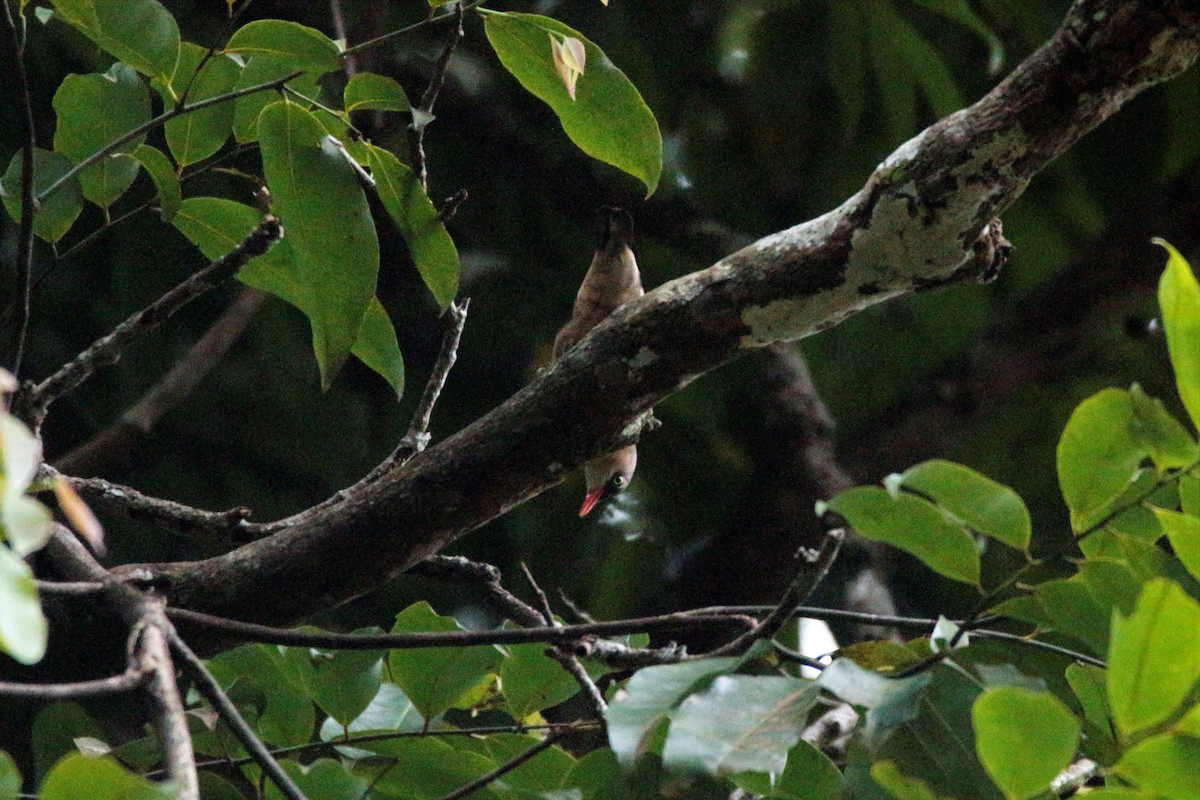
(926, 218)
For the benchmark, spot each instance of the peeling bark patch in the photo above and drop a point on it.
(644, 357)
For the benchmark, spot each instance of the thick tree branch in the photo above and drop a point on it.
(926, 218)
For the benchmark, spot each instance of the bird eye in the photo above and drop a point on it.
(618, 481)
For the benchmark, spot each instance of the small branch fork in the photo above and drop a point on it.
(423, 114)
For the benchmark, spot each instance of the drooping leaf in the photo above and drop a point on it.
(1151, 666)
(432, 249)
(915, 526)
(606, 118)
(199, 134)
(1179, 299)
(989, 507)
(328, 222)
(23, 627)
(1024, 738)
(1075, 611)
(166, 181)
(216, 226)
(1098, 454)
(94, 110)
(297, 46)
(367, 90)
(55, 215)
(142, 33)
(435, 678)
(741, 723)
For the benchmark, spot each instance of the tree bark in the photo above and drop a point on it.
(926, 218)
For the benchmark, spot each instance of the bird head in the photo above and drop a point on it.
(607, 476)
(616, 228)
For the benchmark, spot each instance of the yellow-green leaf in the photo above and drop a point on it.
(1179, 298)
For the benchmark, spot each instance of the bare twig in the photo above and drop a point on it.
(816, 567)
(116, 498)
(339, 31)
(107, 349)
(450, 207)
(564, 655)
(69, 588)
(985, 633)
(424, 113)
(24, 261)
(508, 766)
(387, 37)
(132, 678)
(208, 687)
(123, 436)
(252, 632)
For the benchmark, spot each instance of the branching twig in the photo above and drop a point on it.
(107, 349)
(563, 654)
(508, 766)
(424, 113)
(123, 436)
(128, 680)
(208, 687)
(24, 262)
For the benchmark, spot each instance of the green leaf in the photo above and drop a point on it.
(809, 774)
(608, 119)
(741, 723)
(344, 682)
(141, 33)
(166, 181)
(389, 710)
(1189, 494)
(324, 778)
(1024, 738)
(899, 785)
(260, 70)
(1164, 438)
(24, 521)
(55, 729)
(1179, 298)
(532, 681)
(915, 526)
(288, 715)
(1183, 531)
(989, 507)
(1087, 682)
(297, 46)
(434, 678)
(545, 773)
(55, 215)
(960, 11)
(651, 697)
(10, 777)
(1165, 765)
(432, 249)
(889, 701)
(78, 776)
(1151, 666)
(1098, 454)
(323, 209)
(1074, 611)
(199, 134)
(94, 110)
(23, 627)
(367, 90)
(431, 769)
(378, 348)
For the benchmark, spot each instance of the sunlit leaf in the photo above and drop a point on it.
(1165, 765)
(78, 776)
(23, 628)
(1098, 454)
(297, 46)
(142, 33)
(1179, 298)
(988, 507)
(1024, 738)
(1165, 439)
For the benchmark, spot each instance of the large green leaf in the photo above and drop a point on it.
(1153, 660)
(431, 769)
(260, 70)
(532, 681)
(741, 723)
(434, 678)
(431, 247)
(1098, 454)
(1024, 738)
(1168, 766)
(297, 46)
(199, 134)
(285, 714)
(216, 226)
(142, 33)
(78, 776)
(1179, 298)
(889, 701)
(317, 197)
(650, 698)
(607, 119)
(55, 215)
(324, 778)
(1167, 442)
(94, 110)
(915, 526)
(989, 507)
(366, 90)
(23, 627)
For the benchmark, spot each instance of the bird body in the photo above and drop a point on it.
(611, 281)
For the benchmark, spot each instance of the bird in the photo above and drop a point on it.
(612, 280)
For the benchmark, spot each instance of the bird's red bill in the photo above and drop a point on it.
(590, 501)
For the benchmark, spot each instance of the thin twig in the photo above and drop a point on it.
(24, 261)
(114, 497)
(985, 633)
(508, 766)
(107, 349)
(69, 588)
(208, 687)
(563, 655)
(139, 419)
(424, 113)
(387, 37)
(339, 31)
(450, 207)
(815, 569)
(252, 632)
(128, 680)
